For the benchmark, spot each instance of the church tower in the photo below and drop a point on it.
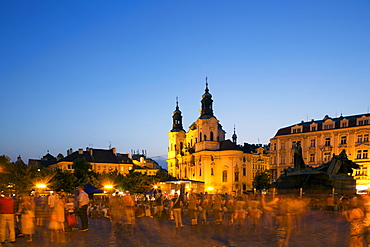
(177, 140)
(206, 132)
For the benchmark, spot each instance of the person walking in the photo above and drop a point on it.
(82, 204)
(7, 211)
(176, 209)
(27, 210)
(39, 209)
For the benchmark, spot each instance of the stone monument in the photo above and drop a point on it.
(320, 180)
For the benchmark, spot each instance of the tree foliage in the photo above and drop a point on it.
(262, 180)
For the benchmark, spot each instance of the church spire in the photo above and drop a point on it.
(177, 118)
(234, 137)
(206, 101)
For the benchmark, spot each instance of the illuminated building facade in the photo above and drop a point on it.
(321, 139)
(107, 160)
(203, 154)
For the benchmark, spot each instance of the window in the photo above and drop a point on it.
(362, 154)
(294, 144)
(343, 124)
(274, 146)
(244, 171)
(312, 157)
(327, 157)
(313, 143)
(200, 171)
(282, 146)
(328, 126)
(212, 172)
(366, 138)
(313, 128)
(343, 140)
(282, 160)
(236, 176)
(359, 138)
(359, 154)
(211, 136)
(327, 141)
(296, 131)
(363, 122)
(224, 176)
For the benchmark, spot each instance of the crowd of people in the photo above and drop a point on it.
(19, 216)
(283, 213)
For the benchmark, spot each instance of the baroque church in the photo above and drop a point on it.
(203, 154)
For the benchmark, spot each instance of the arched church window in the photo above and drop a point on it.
(211, 136)
(224, 176)
(236, 176)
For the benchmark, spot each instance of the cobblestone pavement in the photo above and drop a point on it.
(321, 230)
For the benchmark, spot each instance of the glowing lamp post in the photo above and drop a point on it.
(41, 186)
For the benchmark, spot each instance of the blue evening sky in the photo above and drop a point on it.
(75, 74)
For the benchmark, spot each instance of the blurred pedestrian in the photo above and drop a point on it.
(355, 217)
(7, 211)
(39, 209)
(129, 208)
(27, 210)
(82, 204)
(176, 209)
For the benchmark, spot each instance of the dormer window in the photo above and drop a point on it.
(363, 121)
(313, 126)
(344, 123)
(296, 129)
(328, 126)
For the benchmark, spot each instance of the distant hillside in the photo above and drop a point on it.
(161, 161)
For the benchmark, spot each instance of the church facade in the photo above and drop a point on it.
(204, 154)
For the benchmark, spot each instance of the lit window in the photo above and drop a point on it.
(236, 176)
(282, 146)
(327, 157)
(312, 157)
(282, 160)
(224, 176)
(366, 138)
(313, 143)
(359, 138)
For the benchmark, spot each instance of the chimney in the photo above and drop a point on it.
(69, 151)
(80, 151)
(114, 150)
